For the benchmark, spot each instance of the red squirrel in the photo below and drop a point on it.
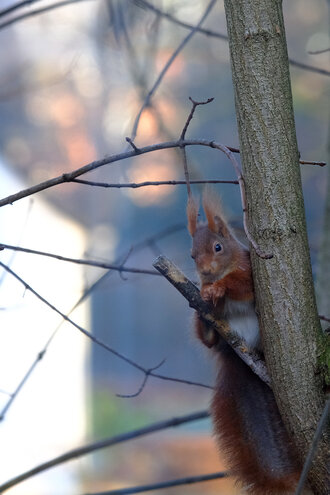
(247, 424)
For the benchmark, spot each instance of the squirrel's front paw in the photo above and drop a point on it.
(212, 293)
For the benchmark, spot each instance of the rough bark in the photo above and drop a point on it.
(284, 286)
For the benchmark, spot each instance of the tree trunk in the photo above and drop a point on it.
(284, 285)
(323, 273)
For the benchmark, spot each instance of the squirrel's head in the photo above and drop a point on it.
(214, 246)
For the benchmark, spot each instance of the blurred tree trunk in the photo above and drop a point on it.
(323, 274)
(284, 286)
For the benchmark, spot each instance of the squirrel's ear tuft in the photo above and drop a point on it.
(192, 215)
(213, 211)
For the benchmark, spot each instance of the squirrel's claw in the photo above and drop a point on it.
(212, 293)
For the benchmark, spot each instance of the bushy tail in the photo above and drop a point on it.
(250, 431)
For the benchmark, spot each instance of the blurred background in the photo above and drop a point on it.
(73, 77)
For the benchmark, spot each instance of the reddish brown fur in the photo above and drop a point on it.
(238, 284)
(246, 420)
(207, 335)
(214, 214)
(239, 449)
(192, 214)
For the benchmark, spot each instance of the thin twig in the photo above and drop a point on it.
(174, 275)
(149, 242)
(324, 318)
(301, 65)
(167, 66)
(191, 114)
(313, 448)
(171, 18)
(66, 318)
(97, 341)
(241, 182)
(306, 162)
(135, 148)
(318, 52)
(99, 264)
(214, 34)
(70, 176)
(17, 5)
(21, 236)
(183, 135)
(166, 484)
(25, 378)
(35, 12)
(135, 185)
(4, 392)
(144, 382)
(107, 442)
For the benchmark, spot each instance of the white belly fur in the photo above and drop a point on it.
(242, 319)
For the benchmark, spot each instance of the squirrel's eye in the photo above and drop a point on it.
(217, 247)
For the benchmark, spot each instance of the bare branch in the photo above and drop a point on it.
(215, 34)
(70, 176)
(319, 164)
(17, 5)
(324, 318)
(144, 382)
(4, 392)
(191, 114)
(135, 148)
(166, 484)
(97, 341)
(313, 448)
(149, 242)
(25, 378)
(192, 294)
(167, 66)
(183, 135)
(66, 318)
(318, 52)
(33, 13)
(99, 264)
(301, 65)
(135, 185)
(170, 17)
(241, 182)
(107, 442)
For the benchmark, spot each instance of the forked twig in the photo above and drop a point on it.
(144, 382)
(191, 114)
(183, 135)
